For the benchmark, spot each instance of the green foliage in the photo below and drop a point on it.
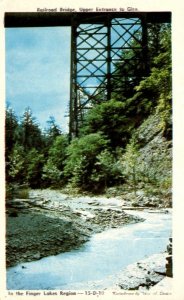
(51, 174)
(149, 166)
(81, 158)
(132, 66)
(130, 165)
(15, 169)
(53, 168)
(157, 166)
(144, 95)
(11, 127)
(128, 70)
(34, 164)
(106, 170)
(30, 133)
(57, 152)
(156, 33)
(52, 132)
(157, 86)
(109, 118)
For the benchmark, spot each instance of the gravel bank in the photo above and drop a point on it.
(49, 223)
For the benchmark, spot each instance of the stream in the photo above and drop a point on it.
(104, 255)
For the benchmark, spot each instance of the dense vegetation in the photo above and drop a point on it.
(125, 141)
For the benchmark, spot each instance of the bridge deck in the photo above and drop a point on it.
(39, 19)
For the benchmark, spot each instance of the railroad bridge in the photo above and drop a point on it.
(97, 43)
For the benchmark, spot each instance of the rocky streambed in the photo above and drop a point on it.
(50, 222)
(45, 234)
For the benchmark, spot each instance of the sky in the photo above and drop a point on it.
(38, 72)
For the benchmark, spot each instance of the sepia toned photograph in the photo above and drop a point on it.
(88, 151)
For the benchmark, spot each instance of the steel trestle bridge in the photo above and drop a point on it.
(98, 41)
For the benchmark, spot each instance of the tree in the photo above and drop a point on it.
(109, 118)
(15, 171)
(57, 153)
(155, 90)
(147, 89)
(53, 168)
(130, 165)
(11, 128)
(81, 158)
(52, 132)
(51, 175)
(33, 165)
(107, 170)
(129, 70)
(31, 135)
(156, 32)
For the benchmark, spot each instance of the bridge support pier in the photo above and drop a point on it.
(97, 47)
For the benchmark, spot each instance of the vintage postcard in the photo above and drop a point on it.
(91, 150)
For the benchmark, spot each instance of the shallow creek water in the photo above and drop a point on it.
(106, 254)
